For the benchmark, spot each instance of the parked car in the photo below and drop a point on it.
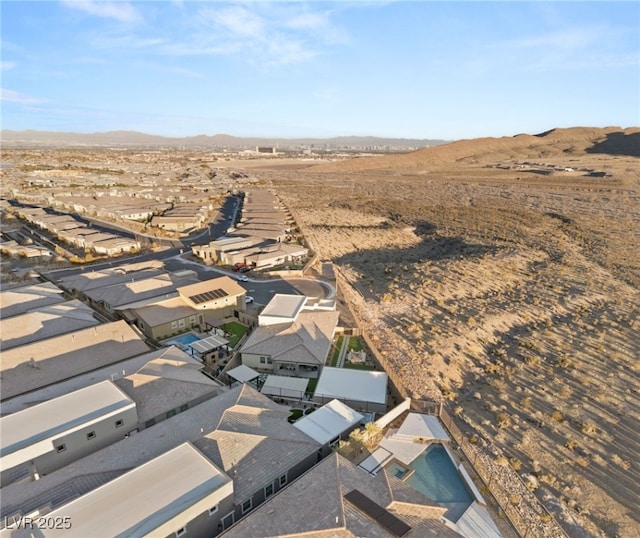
(248, 299)
(242, 278)
(245, 269)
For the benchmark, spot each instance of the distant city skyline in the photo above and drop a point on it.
(439, 70)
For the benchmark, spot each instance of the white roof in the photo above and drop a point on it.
(417, 426)
(31, 433)
(282, 309)
(243, 373)
(181, 483)
(328, 422)
(287, 387)
(349, 384)
(209, 343)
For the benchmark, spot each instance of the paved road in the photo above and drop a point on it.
(262, 290)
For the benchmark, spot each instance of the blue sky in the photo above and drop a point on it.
(394, 69)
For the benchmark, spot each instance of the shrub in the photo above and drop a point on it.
(503, 420)
(588, 427)
(571, 444)
(557, 416)
(515, 463)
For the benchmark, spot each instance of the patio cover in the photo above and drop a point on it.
(243, 373)
(208, 344)
(286, 387)
(328, 422)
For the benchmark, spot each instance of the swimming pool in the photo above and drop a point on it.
(182, 341)
(437, 477)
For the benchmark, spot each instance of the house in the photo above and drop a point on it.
(162, 383)
(50, 435)
(277, 254)
(36, 365)
(45, 322)
(166, 318)
(242, 433)
(363, 390)
(217, 298)
(216, 250)
(123, 292)
(115, 245)
(177, 490)
(337, 498)
(166, 385)
(298, 348)
(22, 299)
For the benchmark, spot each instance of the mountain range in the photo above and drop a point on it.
(137, 139)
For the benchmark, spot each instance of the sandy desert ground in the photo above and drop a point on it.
(502, 275)
(510, 289)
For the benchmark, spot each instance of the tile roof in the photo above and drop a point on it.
(306, 340)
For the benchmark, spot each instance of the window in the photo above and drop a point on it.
(283, 480)
(171, 413)
(174, 324)
(246, 506)
(184, 407)
(269, 360)
(181, 532)
(91, 435)
(61, 448)
(192, 319)
(213, 510)
(119, 423)
(263, 360)
(181, 323)
(142, 325)
(268, 491)
(149, 423)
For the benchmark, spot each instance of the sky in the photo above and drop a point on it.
(414, 69)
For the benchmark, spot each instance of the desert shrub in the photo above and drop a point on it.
(588, 427)
(499, 384)
(571, 444)
(557, 416)
(503, 420)
(564, 362)
(473, 439)
(515, 463)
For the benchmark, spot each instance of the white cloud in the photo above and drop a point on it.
(5, 66)
(15, 97)
(120, 11)
(239, 21)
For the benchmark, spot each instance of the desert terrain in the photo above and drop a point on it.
(503, 275)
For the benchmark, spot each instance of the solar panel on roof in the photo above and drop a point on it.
(208, 296)
(386, 519)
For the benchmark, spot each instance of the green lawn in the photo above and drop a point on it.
(311, 386)
(237, 330)
(354, 344)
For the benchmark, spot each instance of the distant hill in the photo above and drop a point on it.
(136, 139)
(574, 141)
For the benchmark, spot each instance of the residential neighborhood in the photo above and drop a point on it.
(162, 376)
